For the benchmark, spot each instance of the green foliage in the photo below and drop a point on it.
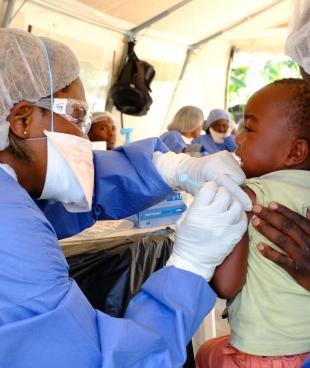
(278, 70)
(237, 85)
(245, 80)
(237, 79)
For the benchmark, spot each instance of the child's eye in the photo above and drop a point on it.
(247, 129)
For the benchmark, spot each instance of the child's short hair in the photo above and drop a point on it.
(299, 106)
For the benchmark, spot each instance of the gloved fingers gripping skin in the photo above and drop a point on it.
(208, 232)
(205, 195)
(235, 212)
(222, 201)
(217, 199)
(225, 212)
(237, 230)
(227, 182)
(214, 220)
(217, 209)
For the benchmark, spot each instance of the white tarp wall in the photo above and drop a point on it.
(204, 80)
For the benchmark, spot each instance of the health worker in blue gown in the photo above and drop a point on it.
(185, 126)
(218, 136)
(47, 160)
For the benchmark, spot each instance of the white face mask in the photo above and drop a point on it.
(70, 171)
(187, 140)
(216, 136)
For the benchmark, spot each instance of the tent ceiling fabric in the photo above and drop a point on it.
(123, 9)
(197, 19)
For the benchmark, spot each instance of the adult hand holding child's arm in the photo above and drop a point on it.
(289, 231)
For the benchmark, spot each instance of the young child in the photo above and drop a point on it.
(269, 313)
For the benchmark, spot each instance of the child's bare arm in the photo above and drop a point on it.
(229, 277)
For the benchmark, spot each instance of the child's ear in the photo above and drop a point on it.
(298, 154)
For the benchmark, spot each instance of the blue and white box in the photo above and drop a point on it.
(166, 212)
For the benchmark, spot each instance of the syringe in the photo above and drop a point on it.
(184, 177)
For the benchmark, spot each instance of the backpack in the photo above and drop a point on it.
(131, 92)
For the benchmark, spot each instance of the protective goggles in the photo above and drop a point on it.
(76, 111)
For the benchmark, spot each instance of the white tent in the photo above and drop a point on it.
(188, 42)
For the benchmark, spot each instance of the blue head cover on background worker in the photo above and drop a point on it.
(218, 135)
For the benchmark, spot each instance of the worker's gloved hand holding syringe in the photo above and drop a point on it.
(220, 167)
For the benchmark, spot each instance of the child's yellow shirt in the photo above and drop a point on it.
(271, 314)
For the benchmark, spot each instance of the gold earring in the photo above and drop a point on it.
(25, 132)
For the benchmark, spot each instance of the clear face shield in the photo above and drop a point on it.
(75, 111)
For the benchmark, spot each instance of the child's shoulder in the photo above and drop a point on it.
(252, 196)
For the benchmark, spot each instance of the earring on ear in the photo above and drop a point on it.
(25, 132)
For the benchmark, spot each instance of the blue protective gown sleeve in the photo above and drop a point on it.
(46, 321)
(211, 147)
(307, 363)
(174, 141)
(126, 182)
(230, 144)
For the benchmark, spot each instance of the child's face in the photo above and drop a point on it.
(264, 142)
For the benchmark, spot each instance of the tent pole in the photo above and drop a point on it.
(158, 17)
(236, 24)
(5, 21)
(231, 57)
(184, 66)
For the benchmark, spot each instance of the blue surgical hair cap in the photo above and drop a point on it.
(214, 115)
(24, 71)
(187, 119)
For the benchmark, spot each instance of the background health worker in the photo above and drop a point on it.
(103, 129)
(218, 136)
(184, 127)
(46, 321)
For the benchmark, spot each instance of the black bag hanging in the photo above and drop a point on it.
(131, 92)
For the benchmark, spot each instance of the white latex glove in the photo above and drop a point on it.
(208, 231)
(220, 167)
